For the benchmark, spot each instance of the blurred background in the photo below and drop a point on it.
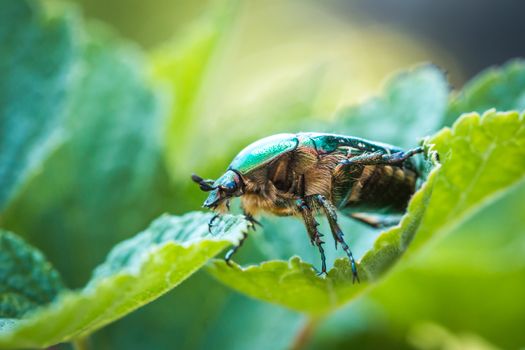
(463, 37)
(252, 69)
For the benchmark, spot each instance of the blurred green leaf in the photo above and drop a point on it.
(27, 280)
(108, 178)
(428, 336)
(135, 272)
(502, 88)
(477, 164)
(202, 314)
(283, 105)
(411, 106)
(36, 65)
(183, 67)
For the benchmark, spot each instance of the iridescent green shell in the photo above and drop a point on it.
(269, 148)
(327, 143)
(263, 151)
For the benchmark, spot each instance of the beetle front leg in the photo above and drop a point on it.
(331, 214)
(311, 228)
(382, 159)
(234, 249)
(212, 220)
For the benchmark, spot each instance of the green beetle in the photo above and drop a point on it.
(309, 173)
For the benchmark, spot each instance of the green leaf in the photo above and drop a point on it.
(412, 105)
(476, 270)
(481, 157)
(135, 272)
(108, 178)
(502, 88)
(27, 280)
(201, 314)
(36, 66)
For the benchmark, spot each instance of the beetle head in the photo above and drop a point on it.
(221, 190)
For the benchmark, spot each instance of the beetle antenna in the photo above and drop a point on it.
(205, 185)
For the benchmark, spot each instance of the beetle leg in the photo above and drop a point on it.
(234, 249)
(311, 227)
(382, 159)
(375, 220)
(212, 220)
(253, 222)
(331, 214)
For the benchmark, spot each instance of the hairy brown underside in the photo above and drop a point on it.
(299, 174)
(302, 173)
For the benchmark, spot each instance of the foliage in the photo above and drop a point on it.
(135, 272)
(97, 139)
(112, 179)
(497, 87)
(411, 106)
(31, 113)
(27, 279)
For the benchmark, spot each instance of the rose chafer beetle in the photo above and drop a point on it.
(306, 174)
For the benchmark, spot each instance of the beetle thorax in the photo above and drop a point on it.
(276, 188)
(267, 198)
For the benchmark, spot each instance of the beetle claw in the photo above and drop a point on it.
(317, 272)
(253, 222)
(355, 276)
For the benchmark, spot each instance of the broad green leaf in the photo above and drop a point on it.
(476, 270)
(135, 272)
(502, 88)
(480, 158)
(411, 106)
(27, 280)
(37, 54)
(108, 178)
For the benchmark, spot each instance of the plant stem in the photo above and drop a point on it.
(81, 343)
(305, 334)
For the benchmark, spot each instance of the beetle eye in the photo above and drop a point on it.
(229, 187)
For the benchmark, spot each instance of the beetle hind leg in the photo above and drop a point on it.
(331, 214)
(382, 159)
(376, 221)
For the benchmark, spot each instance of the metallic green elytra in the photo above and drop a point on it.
(263, 151)
(305, 174)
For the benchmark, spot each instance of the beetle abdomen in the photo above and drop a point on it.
(374, 188)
